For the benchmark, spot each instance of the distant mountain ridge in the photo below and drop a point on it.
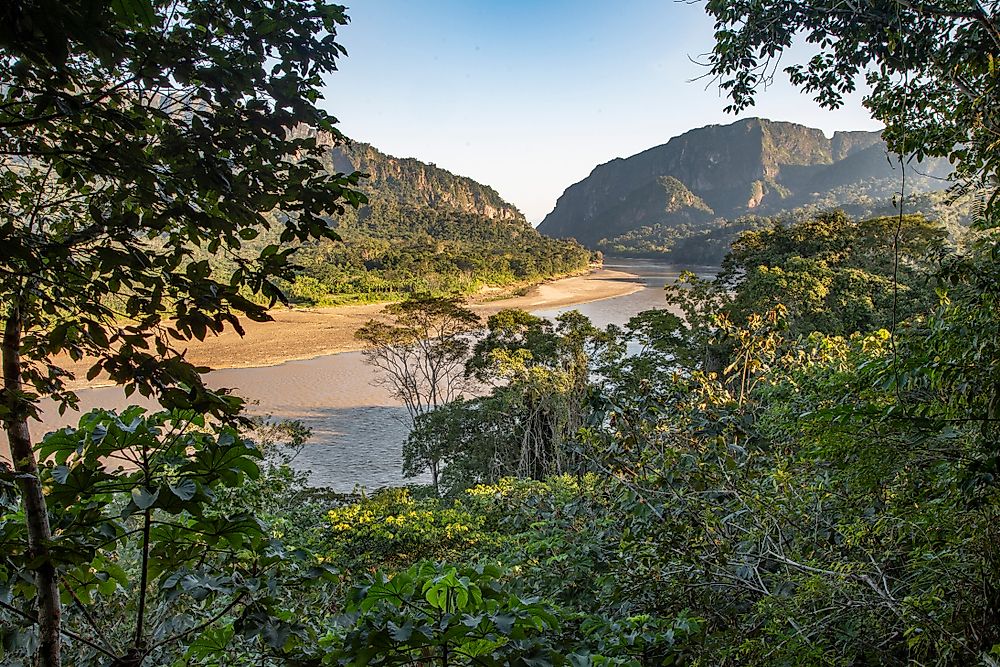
(412, 183)
(424, 229)
(752, 166)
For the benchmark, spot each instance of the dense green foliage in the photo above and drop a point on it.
(796, 465)
(455, 617)
(136, 137)
(800, 495)
(817, 491)
(707, 244)
(145, 545)
(388, 251)
(835, 275)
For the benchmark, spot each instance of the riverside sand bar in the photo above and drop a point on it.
(308, 333)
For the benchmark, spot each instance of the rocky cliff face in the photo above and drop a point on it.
(413, 183)
(751, 166)
(848, 143)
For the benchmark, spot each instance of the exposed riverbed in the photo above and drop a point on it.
(357, 428)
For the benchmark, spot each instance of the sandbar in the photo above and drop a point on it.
(301, 333)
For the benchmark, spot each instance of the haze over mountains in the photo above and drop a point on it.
(722, 172)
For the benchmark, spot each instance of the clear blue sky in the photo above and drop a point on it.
(528, 96)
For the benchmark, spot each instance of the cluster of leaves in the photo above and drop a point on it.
(446, 616)
(392, 530)
(210, 543)
(153, 563)
(815, 496)
(835, 275)
(813, 487)
(137, 138)
(523, 541)
(827, 274)
(163, 134)
(468, 617)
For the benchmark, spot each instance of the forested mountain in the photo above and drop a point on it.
(695, 184)
(410, 182)
(423, 229)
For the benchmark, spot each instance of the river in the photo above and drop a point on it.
(357, 428)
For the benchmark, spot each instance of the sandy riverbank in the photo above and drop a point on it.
(305, 334)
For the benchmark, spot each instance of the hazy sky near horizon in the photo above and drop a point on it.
(528, 96)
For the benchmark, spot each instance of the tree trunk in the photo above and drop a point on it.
(715, 361)
(36, 514)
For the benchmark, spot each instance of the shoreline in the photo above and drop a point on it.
(303, 334)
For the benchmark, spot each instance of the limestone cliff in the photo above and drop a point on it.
(751, 166)
(412, 183)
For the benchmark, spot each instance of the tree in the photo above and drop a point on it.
(834, 274)
(539, 375)
(420, 355)
(827, 274)
(540, 371)
(139, 139)
(470, 442)
(151, 562)
(436, 437)
(931, 67)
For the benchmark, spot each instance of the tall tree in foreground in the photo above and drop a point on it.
(135, 137)
(419, 355)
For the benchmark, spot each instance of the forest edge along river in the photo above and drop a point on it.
(357, 428)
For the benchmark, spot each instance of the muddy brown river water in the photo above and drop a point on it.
(357, 428)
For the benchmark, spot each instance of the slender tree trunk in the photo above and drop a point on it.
(434, 475)
(715, 361)
(140, 618)
(15, 423)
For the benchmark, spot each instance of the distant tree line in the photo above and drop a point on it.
(707, 244)
(388, 251)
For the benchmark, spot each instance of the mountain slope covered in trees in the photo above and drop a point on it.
(423, 229)
(690, 196)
